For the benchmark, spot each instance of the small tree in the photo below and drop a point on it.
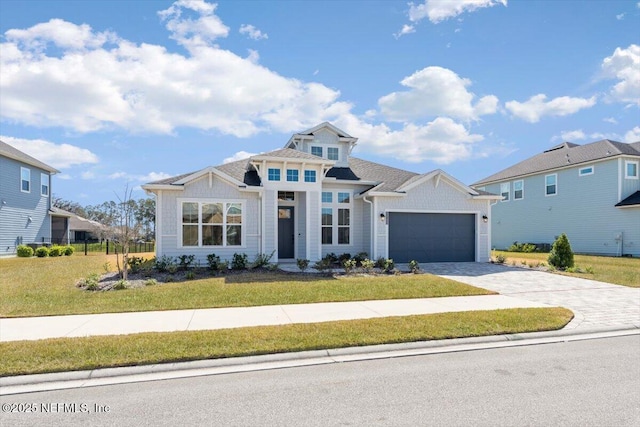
(125, 230)
(561, 255)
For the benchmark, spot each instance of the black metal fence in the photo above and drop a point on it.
(105, 246)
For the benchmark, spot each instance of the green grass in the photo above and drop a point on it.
(65, 354)
(46, 286)
(617, 270)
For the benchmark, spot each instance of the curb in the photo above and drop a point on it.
(106, 376)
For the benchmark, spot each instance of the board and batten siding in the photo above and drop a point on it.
(24, 217)
(358, 241)
(583, 209)
(199, 190)
(429, 198)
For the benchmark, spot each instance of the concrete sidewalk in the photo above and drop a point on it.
(35, 328)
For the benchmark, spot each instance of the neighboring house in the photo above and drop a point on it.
(68, 227)
(312, 198)
(590, 192)
(25, 200)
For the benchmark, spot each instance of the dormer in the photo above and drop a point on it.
(325, 141)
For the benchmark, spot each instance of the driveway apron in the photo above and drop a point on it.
(595, 304)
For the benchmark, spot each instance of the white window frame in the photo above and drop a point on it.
(506, 185)
(28, 180)
(335, 207)
(317, 147)
(269, 174)
(555, 184)
(295, 175)
(515, 189)
(581, 171)
(310, 175)
(44, 182)
(224, 202)
(330, 149)
(626, 169)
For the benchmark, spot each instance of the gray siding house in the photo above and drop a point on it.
(25, 200)
(590, 192)
(312, 198)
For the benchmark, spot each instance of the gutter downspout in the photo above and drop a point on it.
(372, 228)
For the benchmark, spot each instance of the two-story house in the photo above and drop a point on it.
(590, 192)
(312, 198)
(25, 199)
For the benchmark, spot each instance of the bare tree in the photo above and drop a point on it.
(125, 230)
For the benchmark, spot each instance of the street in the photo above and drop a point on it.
(579, 383)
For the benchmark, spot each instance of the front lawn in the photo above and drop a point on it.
(67, 354)
(617, 270)
(47, 286)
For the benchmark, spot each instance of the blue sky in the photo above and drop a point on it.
(116, 93)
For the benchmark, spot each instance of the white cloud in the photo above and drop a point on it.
(442, 140)
(240, 155)
(437, 10)
(252, 32)
(60, 156)
(88, 175)
(624, 65)
(620, 16)
(537, 107)
(146, 89)
(150, 177)
(611, 120)
(435, 91)
(406, 29)
(633, 135)
(573, 135)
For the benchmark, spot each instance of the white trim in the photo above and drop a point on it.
(581, 173)
(45, 177)
(200, 202)
(508, 187)
(626, 169)
(555, 184)
(23, 169)
(522, 190)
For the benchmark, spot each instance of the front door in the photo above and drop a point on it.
(286, 233)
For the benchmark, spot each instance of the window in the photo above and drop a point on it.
(551, 185)
(316, 151)
(211, 224)
(25, 180)
(336, 218)
(309, 176)
(631, 170)
(44, 184)
(588, 170)
(518, 190)
(292, 175)
(286, 196)
(332, 153)
(274, 174)
(327, 226)
(505, 189)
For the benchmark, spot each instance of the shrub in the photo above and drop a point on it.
(213, 261)
(501, 259)
(91, 282)
(522, 247)
(561, 255)
(367, 265)
(303, 264)
(361, 256)
(186, 261)
(349, 265)
(344, 257)
(331, 259)
(135, 263)
(239, 262)
(414, 266)
(323, 265)
(42, 252)
(120, 285)
(262, 260)
(68, 250)
(150, 282)
(164, 264)
(56, 250)
(388, 266)
(190, 275)
(24, 251)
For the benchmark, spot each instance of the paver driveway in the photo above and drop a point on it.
(595, 304)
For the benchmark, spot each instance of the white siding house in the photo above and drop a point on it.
(589, 192)
(312, 198)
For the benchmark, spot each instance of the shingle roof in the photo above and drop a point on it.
(632, 200)
(7, 150)
(563, 155)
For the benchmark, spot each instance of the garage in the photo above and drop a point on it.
(432, 237)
